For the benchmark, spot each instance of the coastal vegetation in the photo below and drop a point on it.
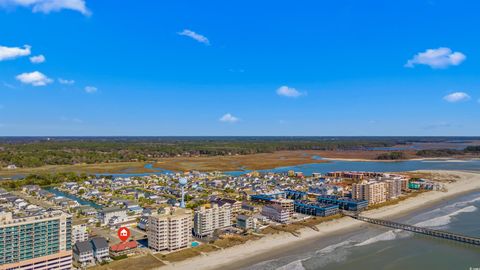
(469, 150)
(38, 153)
(131, 155)
(392, 156)
(44, 180)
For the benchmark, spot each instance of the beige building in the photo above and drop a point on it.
(37, 242)
(394, 188)
(373, 192)
(286, 204)
(207, 220)
(170, 230)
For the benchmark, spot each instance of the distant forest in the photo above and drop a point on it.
(39, 151)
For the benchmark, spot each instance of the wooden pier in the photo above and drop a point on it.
(421, 230)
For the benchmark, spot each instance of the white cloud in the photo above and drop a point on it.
(35, 78)
(47, 6)
(91, 89)
(37, 59)
(456, 97)
(437, 58)
(195, 36)
(7, 53)
(229, 118)
(288, 92)
(65, 81)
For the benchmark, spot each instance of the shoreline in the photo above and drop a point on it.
(433, 159)
(273, 244)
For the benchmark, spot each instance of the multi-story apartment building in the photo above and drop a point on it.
(79, 233)
(276, 213)
(235, 205)
(207, 220)
(373, 192)
(37, 242)
(170, 230)
(285, 204)
(394, 188)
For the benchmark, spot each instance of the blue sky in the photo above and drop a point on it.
(239, 67)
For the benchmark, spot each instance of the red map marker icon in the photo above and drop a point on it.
(123, 234)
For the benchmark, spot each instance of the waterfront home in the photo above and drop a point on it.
(31, 189)
(246, 222)
(123, 248)
(11, 167)
(83, 254)
(100, 249)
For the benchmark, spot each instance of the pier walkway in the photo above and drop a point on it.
(421, 230)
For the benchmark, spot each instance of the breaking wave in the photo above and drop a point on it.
(446, 219)
(295, 265)
(386, 236)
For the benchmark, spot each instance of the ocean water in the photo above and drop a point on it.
(374, 247)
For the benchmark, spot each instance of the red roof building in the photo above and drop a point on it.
(123, 248)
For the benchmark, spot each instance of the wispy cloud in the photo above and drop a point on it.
(73, 120)
(289, 92)
(456, 97)
(200, 38)
(38, 59)
(8, 85)
(65, 81)
(91, 89)
(437, 58)
(7, 53)
(35, 78)
(229, 118)
(47, 6)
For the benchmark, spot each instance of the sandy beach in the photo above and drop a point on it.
(467, 182)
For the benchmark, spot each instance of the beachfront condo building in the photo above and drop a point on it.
(394, 188)
(285, 204)
(170, 230)
(373, 192)
(207, 220)
(38, 242)
(276, 213)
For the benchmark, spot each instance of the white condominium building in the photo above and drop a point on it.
(276, 213)
(171, 230)
(373, 192)
(79, 233)
(207, 220)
